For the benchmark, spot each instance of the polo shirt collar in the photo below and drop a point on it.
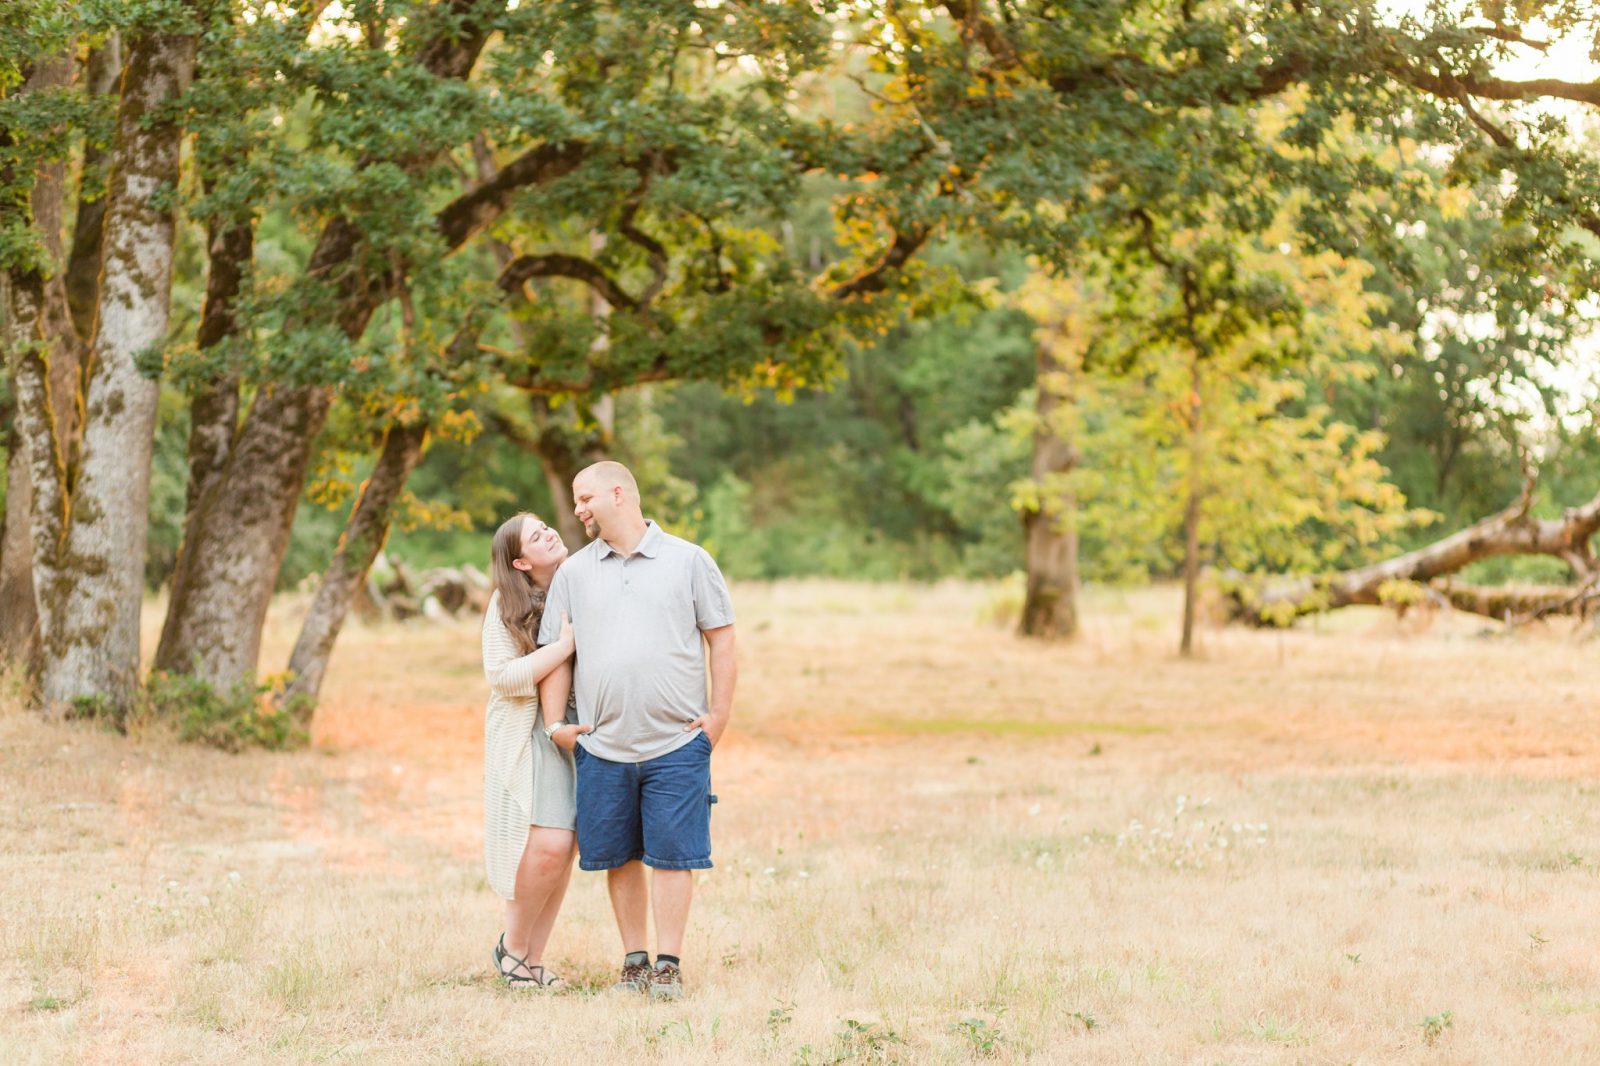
(649, 544)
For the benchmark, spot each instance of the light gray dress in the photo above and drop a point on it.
(527, 780)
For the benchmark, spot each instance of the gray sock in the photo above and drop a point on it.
(636, 958)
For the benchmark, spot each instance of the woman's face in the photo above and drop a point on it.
(541, 545)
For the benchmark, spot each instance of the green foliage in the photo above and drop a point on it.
(247, 715)
(725, 529)
(1174, 377)
(1434, 1026)
(897, 470)
(724, 174)
(859, 1041)
(983, 1034)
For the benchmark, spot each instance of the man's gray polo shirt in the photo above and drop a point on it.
(640, 675)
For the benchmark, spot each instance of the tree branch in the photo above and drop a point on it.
(475, 209)
(654, 251)
(560, 265)
(1491, 88)
(876, 277)
(1511, 532)
(1506, 33)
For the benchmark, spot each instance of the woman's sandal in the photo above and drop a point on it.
(532, 976)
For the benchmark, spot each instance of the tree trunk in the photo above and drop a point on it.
(1191, 514)
(19, 612)
(19, 615)
(363, 538)
(1050, 608)
(46, 475)
(1511, 532)
(1191, 568)
(83, 264)
(93, 648)
(237, 537)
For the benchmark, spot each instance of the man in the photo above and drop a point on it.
(641, 601)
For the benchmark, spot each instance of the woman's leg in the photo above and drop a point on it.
(542, 878)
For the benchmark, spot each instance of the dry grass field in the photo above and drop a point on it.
(1364, 842)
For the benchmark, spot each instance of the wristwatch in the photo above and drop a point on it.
(550, 730)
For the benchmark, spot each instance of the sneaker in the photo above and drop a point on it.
(666, 981)
(635, 978)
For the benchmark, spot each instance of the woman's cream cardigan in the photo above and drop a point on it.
(516, 754)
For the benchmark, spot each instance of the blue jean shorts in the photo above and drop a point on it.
(657, 811)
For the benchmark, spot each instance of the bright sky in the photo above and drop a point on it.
(1579, 377)
(1568, 59)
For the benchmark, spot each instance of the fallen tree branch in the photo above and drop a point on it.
(1511, 532)
(1520, 604)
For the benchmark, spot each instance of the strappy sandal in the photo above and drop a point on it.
(532, 976)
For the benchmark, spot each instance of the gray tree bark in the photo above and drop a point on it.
(19, 615)
(236, 539)
(363, 538)
(1050, 608)
(83, 265)
(91, 602)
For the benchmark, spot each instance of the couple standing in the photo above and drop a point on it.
(607, 754)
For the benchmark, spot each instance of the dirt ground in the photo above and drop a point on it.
(1365, 841)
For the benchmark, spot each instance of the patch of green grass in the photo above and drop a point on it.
(296, 983)
(983, 1034)
(1277, 1030)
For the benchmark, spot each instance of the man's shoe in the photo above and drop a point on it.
(635, 978)
(666, 981)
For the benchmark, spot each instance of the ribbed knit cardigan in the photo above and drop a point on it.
(516, 754)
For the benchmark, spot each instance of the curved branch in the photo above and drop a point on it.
(560, 265)
(475, 209)
(876, 277)
(655, 252)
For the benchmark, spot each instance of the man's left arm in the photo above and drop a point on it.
(724, 675)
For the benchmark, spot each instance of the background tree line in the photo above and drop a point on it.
(1112, 291)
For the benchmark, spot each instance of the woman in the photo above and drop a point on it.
(529, 802)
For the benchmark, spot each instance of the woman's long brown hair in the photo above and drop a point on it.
(521, 601)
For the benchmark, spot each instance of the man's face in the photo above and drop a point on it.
(594, 506)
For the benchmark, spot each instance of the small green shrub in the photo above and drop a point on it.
(246, 715)
(857, 1041)
(98, 707)
(1434, 1026)
(982, 1033)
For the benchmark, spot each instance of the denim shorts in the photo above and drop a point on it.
(658, 811)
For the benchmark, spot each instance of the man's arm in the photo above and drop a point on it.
(724, 675)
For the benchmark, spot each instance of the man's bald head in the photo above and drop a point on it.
(606, 475)
(605, 498)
